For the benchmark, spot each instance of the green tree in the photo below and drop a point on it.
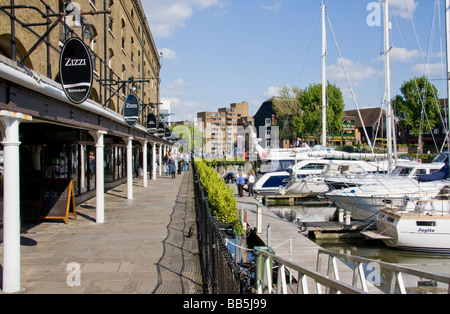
(286, 107)
(417, 107)
(309, 121)
(190, 138)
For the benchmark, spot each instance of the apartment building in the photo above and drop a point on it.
(220, 129)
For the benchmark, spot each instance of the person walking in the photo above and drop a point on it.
(171, 164)
(251, 183)
(240, 184)
(186, 160)
(166, 163)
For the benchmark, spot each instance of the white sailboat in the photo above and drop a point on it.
(419, 224)
(274, 170)
(307, 178)
(337, 170)
(365, 195)
(365, 200)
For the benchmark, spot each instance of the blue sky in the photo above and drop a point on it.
(218, 52)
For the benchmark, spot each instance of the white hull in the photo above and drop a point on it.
(312, 172)
(364, 202)
(313, 186)
(429, 234)
(361, 208)
(270, 183)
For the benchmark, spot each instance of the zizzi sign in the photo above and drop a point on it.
(76, 71)
(161, 129)
(131, 110)
(151, 123)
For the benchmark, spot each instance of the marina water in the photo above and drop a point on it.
(359, 246)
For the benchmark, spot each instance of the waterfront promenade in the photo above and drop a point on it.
(143, 248)
(288, 243)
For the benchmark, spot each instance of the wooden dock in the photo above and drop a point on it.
(304, 251)
(292, 200)
(337, 229)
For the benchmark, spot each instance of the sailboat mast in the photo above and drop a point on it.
(447, 32)
(324, 78)
(387, 27)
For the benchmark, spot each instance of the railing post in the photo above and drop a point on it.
(259, 273)
(281, 281)
(359, 272)
(401, 284)
(318, 265)
(290, 259)
(259, 220)
(302, 284)
(268, 274)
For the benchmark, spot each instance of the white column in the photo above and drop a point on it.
(144, 161)
(163, 155)
(99, 174)
(129, 141)
(83, 167)
(11, 202)
(154, 161)
(160, 159)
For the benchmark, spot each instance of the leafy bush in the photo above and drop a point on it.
(221, 198)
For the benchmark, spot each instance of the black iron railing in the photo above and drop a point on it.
(221, 274)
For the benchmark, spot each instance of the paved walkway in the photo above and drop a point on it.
(304, 251)
(144, 247)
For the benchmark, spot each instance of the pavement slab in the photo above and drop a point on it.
(142, 248)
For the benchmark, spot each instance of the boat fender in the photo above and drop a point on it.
(406, 200)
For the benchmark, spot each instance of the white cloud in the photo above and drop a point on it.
(182, 110)
(400, 55)
(168, 54)
(404, 8)
(403, 55)
(356, 71)
(409, 56)
(174, 89)
(272, 7)
(272, 92)
(432, 69)
(175, 92)
(164, 16)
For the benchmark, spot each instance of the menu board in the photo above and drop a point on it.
(57, 200)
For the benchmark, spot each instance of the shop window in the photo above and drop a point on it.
(90, 167)
(109, 164)
(62, 162)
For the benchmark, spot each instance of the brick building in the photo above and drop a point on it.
(90, 143)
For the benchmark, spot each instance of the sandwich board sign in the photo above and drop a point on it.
(76, 70)
(57, 200)
(131, 110)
